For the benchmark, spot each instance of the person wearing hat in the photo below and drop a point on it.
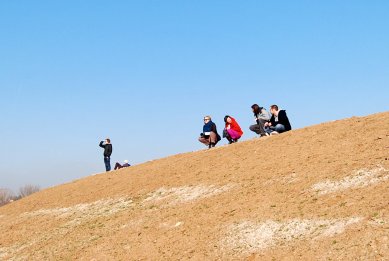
(107, 146)
(125, 165)
(232, 131)
(209, 136)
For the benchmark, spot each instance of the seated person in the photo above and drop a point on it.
(261, 116)
(125, 165)
(279, 121)
(209, 136)
(232, 131)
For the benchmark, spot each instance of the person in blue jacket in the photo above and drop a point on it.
(209, 136)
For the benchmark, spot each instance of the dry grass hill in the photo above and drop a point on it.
(318, 193)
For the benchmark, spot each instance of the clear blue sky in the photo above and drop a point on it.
(144, 73)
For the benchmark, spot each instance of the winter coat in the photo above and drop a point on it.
(263, 115)
(211, 126)
(281, 119)
(107, 149)
(234, 126)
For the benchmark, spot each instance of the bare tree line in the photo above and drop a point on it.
(7, 196)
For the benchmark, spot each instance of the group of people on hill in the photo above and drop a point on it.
(266, 124)
(107, 146)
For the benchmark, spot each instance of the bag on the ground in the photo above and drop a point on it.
(225, 133)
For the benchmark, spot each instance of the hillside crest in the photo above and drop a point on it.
(315, 193)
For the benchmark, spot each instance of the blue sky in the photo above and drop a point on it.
(144, 73)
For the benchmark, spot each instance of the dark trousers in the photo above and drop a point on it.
(259, 128)
(107, 162)
(117, 166)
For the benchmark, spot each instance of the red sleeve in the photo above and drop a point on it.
(235, 126)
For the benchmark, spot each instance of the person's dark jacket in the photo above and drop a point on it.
(282, 119)
(211, 126)
(208, 126)
(107, 149)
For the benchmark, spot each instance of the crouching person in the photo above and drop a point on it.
(279, 121)
(232, 131)
(261, 116)
(209, 136)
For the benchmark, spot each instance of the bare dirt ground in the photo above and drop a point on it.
(318, 193)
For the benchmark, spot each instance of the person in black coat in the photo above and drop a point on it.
(279, 121)
(107, 146)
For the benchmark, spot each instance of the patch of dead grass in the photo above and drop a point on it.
(248, 237)
(185, 194)
(359, 179)
(73, 216)
(104, 207)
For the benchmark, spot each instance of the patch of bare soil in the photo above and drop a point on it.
(318, 193)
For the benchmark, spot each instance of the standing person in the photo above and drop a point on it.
(261, 117)
(107, 146)
(279, 121)
(232, 131)
(119, 166)
(209, 136)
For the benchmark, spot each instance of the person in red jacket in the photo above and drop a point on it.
(232, 131)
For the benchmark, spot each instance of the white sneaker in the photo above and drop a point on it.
(274, 133)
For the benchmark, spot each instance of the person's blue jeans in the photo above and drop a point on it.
(107, 162)
(278, 128)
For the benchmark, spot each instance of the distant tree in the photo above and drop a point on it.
(6, 196)
(28, 190)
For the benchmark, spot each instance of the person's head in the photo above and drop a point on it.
(207, 119)
(255, 108)
(126, 161)
(107, 140)
(227, 118)
(274, 110)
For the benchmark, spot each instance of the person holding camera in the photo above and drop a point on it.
(209, 136)
(107, 146)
